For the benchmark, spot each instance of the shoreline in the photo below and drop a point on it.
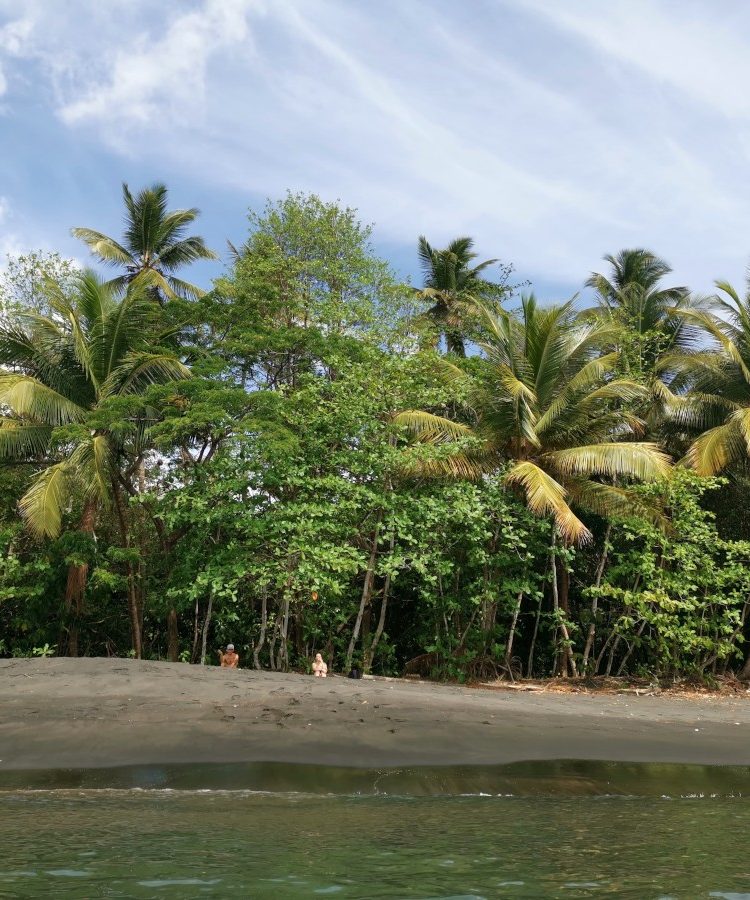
(104, 713)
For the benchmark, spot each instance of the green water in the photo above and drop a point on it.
(534, 830)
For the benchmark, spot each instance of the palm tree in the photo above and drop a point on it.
(549, 407)
(154, 244)
(547, 404)
(451, 283)
(60, 378)
(712, 385)
(712, 388)
(632, 300)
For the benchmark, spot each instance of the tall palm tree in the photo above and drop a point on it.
(451, 282)
(549, 407)
(712, 389)
(712, 385)
(154, 244)
(59, 377)
(632, 299)
(551, 404)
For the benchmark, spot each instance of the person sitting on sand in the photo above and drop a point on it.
(228, 660)
(320, 669)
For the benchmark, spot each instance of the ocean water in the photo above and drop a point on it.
(566, 829)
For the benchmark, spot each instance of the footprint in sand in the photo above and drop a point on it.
(227, 718)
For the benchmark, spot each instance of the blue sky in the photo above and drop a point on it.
(553, 131)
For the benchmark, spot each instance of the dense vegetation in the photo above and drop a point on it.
(453, 479)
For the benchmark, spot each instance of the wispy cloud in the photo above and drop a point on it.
(155, 82)
(554, 132)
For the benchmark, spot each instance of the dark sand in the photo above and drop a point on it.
(78, 713)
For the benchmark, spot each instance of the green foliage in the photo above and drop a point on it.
(280, 463)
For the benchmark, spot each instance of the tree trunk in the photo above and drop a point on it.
(366, 594)
(530, 662)
(560, 601)
(263, 626)
(206, 623)
(75, 586)
(282, 660)
(595, 601)
(173, 636)
(370, 654)
(511, 635)
(135, 618)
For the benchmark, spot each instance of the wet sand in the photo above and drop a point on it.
(80, 713)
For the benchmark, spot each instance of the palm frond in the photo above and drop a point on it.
(640, 460)
(717, 448)
(28, 397)
(105, 248)
(613, 502)
(184, 252)
(137, 370)
(547, 497)
(429, 428)
(21, 440)
(42, 506)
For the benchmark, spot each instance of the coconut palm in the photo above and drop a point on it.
(712, 388)
(60, 377)
(632, 299)
(712, 385)
(451, 282)
(551, 405)
(550, 408)
(154, 244)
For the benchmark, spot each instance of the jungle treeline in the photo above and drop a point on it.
(452, 478)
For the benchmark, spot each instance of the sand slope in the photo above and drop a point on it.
(70, 713)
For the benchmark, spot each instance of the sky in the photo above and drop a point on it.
(552, 132)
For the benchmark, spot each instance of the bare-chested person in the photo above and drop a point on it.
(320, 669)
(228, 660)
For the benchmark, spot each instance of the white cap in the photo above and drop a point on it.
(230, 646)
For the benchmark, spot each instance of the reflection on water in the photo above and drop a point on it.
(568, 830)
(537, 778)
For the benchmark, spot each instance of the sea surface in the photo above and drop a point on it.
(565, 829)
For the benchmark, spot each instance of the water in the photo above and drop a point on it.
(535, 830)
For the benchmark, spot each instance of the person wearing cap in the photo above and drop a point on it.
(228, 660)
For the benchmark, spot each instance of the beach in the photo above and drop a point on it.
(81, 713)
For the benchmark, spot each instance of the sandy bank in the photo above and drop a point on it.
(74, 713)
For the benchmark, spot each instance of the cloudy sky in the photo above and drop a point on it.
(554, 131)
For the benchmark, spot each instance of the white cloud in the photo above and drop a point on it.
(155, 81)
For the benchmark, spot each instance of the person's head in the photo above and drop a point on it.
(230, 648)
(318, 657)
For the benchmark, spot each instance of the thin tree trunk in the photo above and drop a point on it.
(555, 602)
(173, 636)
(627, 656)
(206, 623)
(135, 625)
(366, 594)
(530, 663)
(560, 602)
(590, 637)
(263, 626)
(196, 632)
(370, 655)
(511, 635)
(75, 587)
(282, 660)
